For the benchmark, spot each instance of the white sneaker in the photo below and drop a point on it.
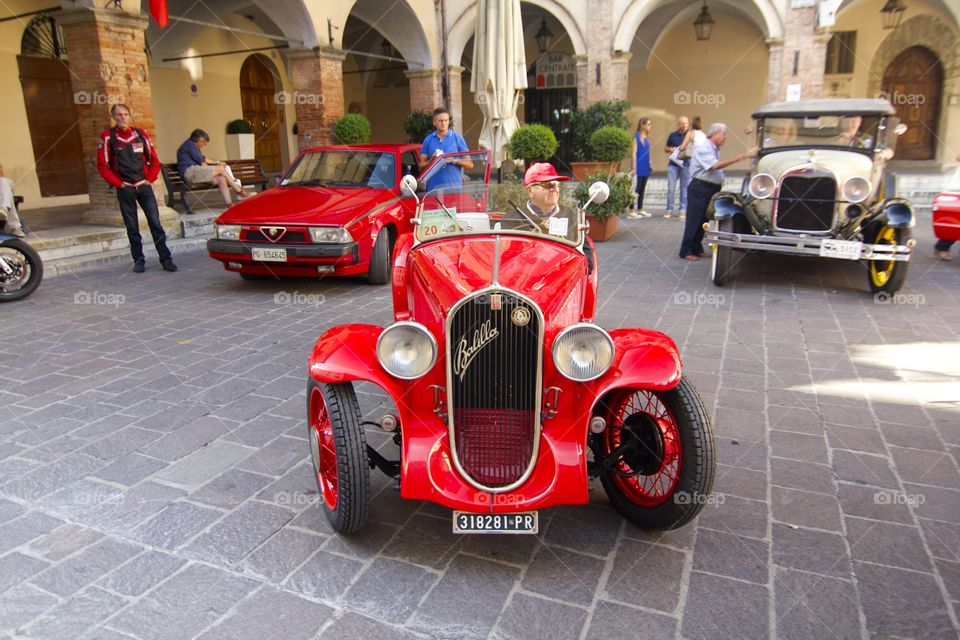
(633, 215)
(643, 214)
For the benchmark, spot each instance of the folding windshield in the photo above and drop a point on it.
(344, 168)
(848, 132)
(460, 201)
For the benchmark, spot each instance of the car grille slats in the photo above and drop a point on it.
(806, 203)
(494, 365)
(287, 237)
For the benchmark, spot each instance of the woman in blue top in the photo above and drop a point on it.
(641, 164)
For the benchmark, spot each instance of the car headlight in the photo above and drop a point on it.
(227, 231)
(762, 185)
(583, 352)
(330, 234)
(406, 350)
(856, 189)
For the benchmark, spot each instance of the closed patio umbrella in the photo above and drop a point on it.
(499, 72)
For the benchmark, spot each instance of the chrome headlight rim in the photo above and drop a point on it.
(760, 195)
(342, 235)
(418, 327)
(864, 182)
(583, 325)
(222, 231)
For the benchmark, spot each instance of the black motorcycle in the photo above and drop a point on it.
(21, 269)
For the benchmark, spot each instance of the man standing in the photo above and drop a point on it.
(706, 179)
(678, 169)
(439, 141)
(128, 161)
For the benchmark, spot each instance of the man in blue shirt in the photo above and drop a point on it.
(678, 169)
(195, 168)
(443, 140)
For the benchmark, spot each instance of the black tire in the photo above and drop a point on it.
(721, 265)
(379, 272)
(340, 442)
(27, 270)
(888, 276)
(648, 454)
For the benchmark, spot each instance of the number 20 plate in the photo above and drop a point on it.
(524, 522)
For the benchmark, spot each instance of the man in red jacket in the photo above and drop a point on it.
(128, 161)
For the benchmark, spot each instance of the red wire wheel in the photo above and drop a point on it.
(323, 451)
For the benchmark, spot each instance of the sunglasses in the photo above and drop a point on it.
(549, 186)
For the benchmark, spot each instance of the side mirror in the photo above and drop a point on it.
(408, 186)
(599, 192)
(900, 129)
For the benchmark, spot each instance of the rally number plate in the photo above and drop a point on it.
(843, 249)
(524, 522)
(269, 255)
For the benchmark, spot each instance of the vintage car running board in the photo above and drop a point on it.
(802, 246)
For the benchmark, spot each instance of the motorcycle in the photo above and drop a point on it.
(21, 268)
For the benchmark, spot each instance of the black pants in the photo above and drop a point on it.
(128, 197)
(641, 187)
(698, 197)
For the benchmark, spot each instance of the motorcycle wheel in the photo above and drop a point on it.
(26, 267)
(658, 456)
(338, 450)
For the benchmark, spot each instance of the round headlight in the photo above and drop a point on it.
(762, 185)
(406, 350)
(856, 189)
(583, 352)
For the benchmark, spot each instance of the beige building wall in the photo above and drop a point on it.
(721, 80)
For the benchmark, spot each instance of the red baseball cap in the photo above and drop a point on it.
(542, 172)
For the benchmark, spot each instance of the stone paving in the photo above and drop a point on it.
(155, 480)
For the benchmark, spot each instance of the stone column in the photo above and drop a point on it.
(317, 78)
(800, 57)
(456, 98)
(619, 74)
(425, 89)
(108, 64)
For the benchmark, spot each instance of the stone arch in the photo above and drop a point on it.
(923, 31)
(401, 26)
(950, 8)
(465, 25)
(762, 13)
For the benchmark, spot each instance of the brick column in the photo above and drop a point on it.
(799, 58)
(598, 76)
(317, 78)
(456, 98)
(619, 74)
(425, 89)
(108, 64)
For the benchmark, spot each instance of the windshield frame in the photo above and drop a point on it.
(869, 130)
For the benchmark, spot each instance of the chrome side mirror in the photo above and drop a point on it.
(408, 186)
(599, 192)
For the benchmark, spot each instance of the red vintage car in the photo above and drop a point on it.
(946, 212)
(337, 211)
(509, 397)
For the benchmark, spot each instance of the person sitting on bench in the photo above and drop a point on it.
(195, 168)
(8, 208)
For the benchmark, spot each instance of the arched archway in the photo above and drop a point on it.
(259, 83)
(913, 83)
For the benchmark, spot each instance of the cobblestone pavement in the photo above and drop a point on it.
(155, 482)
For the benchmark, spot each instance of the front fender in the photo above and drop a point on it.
(347, 353)
(899, 213)
(643, 358)
(724, 204)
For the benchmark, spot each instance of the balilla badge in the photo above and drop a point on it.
(465, 354)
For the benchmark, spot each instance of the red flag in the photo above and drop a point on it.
(158, 9)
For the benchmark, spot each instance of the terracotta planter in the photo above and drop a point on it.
(583, 169)
(602, 230)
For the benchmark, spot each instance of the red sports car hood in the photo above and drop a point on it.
(305, 205)
(551, 274)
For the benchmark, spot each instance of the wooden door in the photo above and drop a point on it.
(914, 83)
(258, 97)
(52, 119)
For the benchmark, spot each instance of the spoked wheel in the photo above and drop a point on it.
(888, 276)
(338, 450)
(722, 263)
(21, 270)
(658, 456)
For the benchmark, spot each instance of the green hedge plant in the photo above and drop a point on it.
(533, 143)
(621, 195)
(353, 128)
(418, 124)
(604, 113)
(239, 126)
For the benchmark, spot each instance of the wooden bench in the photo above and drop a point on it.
(248, 172)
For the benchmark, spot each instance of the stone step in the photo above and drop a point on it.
(118, 257)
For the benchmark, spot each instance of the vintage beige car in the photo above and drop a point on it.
(818, 189)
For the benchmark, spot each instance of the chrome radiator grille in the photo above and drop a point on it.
(806, 203)
(494, 342)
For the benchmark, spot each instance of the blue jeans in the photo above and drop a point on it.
(676, 174)
(128, 197)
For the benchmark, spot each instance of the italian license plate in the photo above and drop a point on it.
(524, 522)
(843, 249)
(269, 255)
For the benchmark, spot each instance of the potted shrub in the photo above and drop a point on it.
(602, 218)
(610, 145)
(418, 124)
(353, 128)
(533, 143)
(240, 141)
(584, 123)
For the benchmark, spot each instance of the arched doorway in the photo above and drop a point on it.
(49, 100)
(913, 83)
(551, 99)
(258, 98)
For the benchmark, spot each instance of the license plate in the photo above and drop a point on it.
(269, 255)
(843, 249)
(523, 522)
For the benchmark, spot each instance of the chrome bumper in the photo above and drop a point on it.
(801, 246)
